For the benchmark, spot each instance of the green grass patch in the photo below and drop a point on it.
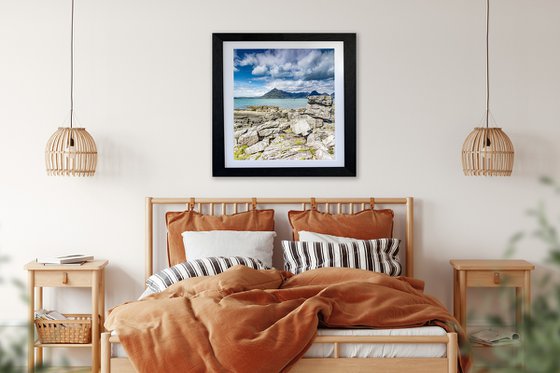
(239, 153)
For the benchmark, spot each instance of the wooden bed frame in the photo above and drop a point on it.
(446, 364)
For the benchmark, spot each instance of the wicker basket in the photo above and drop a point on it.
(77, 329)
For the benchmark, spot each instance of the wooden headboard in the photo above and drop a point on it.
(233, 205)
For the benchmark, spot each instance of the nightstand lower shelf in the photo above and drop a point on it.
(62, 345)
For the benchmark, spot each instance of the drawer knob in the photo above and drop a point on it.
(65, 278)
(497, 278)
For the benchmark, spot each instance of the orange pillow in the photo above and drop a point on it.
(182, 221)
(364, 225)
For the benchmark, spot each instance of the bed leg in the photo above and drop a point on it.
(105, 353)
(452, 347)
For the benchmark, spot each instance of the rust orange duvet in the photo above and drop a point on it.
(246, 320)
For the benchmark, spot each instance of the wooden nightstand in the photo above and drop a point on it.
(89, 275)
(491, 273)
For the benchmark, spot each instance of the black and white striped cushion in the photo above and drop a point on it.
(198, 267)
(373, 255)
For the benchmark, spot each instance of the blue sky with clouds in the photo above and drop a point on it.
(257, 71)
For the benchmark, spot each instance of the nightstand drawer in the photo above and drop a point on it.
(63, 278)
(495, 278)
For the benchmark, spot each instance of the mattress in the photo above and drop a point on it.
(361, 350)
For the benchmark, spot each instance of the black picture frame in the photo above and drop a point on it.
(348, 169)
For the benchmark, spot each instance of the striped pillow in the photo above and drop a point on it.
(198, 267)
(373, 255)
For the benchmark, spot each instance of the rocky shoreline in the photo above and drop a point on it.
(273, 133)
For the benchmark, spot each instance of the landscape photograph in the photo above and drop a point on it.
(284, 104)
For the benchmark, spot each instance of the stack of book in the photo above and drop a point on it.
(74, 259)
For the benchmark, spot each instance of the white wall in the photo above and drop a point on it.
(143, 89)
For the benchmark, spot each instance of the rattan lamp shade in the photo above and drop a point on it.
(487, 152)
(71, 152)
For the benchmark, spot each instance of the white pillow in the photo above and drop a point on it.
(251, 244)
(319, 237)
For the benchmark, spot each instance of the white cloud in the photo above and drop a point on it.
(249, 59)
(296, 64)
(259, 70)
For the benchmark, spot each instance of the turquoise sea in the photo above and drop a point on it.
(284, 103)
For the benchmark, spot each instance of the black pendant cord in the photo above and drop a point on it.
(72, 68)
(487, 62)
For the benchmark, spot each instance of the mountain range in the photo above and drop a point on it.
(279, 94)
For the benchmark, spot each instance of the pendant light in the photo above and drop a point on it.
(487, 151)
(71, 151)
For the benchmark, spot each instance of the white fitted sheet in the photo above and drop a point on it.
(361, 350)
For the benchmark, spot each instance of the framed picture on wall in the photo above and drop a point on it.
(284, 104)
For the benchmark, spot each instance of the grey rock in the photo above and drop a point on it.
(285, 147)
(313, 122)
(283, 124)
(329, 141)
(325, 113)
(320, 134)
(256, 120)
(293, 115)
(320, 100)
(321, 152)
(249, 138)
(311, 138)
(258, 147)
(300, 127)
(268, 131)
(240, 132)
(274, 153)
(269, 124)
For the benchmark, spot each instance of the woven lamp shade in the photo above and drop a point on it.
(71, 152)
(487, 152)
